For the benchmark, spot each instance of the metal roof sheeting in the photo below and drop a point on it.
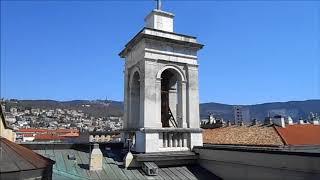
(14, 157)
(113, 168)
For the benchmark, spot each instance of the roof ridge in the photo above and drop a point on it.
(9, 156)
(282, 139)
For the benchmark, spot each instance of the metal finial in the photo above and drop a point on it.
(158, 4)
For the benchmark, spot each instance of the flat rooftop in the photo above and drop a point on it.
(308, 150)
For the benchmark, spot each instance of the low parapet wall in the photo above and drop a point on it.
(79, 146)
(230, 162)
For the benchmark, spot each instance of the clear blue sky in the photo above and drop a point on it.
(254, 52)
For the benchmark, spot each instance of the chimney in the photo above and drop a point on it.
(229, 123)
(254, 121)
(301, 121)
(314, 119)
(315, 122)
(96, 158)
(268, 120)
(289, 120)
(279, 120)
(212, 120)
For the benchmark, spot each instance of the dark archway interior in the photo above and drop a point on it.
(168, 83)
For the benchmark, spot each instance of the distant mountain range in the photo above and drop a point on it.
(295, 109)
(102, 108)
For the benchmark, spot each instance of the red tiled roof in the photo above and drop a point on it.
(243, 135)
(48, 137)
(71, 134)
(300, 134)
(65, 130)
(51, 131)
(31, 130)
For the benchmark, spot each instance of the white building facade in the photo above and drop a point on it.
(161, 95)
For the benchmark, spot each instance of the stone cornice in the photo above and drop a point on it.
(178, 39)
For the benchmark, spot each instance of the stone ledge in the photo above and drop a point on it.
(181, 156)
(160, 130)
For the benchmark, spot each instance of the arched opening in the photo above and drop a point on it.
(171, 103)
(134, 114)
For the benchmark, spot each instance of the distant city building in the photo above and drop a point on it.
(3, 107)
(213, 121)
(14, 111)
(31, 134)
(314, 118)
(241, 114)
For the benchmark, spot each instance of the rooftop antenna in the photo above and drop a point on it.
(158, 4)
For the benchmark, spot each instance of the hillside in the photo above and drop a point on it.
(97, 108)
(103, 108)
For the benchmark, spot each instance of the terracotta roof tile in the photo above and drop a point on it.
(65, 130)
(35, 130)
(300, 134)
(244, 135)
(30, 130)
(71, 134)
(48, 137)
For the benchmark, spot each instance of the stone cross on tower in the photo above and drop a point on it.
(161, 96)
(158, 4)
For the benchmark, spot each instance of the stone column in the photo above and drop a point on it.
(193, 97)
(170, 140)
(151, 97)
(142, 118)
(185, 140)
(175, 140)
(126, 109)
(165, 139)
(158, 102)
(184, 104)
(180, 139)
(129, 120)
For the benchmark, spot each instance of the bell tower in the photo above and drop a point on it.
(161, 94)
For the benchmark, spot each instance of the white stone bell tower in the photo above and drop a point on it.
(161, 94)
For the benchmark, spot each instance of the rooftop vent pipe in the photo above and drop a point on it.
(150, 168)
